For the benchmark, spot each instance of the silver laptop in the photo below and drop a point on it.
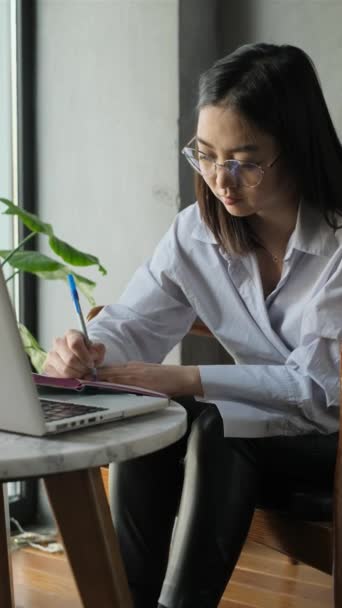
(23, 410)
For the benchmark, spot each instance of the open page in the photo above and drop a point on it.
(78, 384)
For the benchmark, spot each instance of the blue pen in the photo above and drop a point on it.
(76, 300)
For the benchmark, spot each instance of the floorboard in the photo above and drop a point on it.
(262, 579)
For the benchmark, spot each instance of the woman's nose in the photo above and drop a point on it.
(224, 179)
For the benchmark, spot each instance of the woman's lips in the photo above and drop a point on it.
(228, 200)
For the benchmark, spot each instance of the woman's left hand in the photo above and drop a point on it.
(169, 379)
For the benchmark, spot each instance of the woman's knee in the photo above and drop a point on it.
(206, 432)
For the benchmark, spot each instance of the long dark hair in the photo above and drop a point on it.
(278, 90)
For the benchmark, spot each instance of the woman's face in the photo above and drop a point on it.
(223, 134)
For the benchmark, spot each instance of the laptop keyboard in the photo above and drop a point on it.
(57, 410)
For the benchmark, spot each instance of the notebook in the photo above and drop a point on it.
(91, 386)
(29, 407)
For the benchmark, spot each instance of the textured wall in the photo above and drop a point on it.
(107, 136)
(313, 25)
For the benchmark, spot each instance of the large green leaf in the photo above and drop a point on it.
(73, 256)
(69, 254)
(31, 221)
(33, 350)
(86, 287)
(32, 261)
(48, 268)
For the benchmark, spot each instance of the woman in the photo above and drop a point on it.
(258, 259)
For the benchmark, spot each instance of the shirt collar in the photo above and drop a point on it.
(312, 234)
(202, 232)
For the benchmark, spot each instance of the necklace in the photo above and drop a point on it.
(275, 258)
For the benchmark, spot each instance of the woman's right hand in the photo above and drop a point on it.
(70, 357)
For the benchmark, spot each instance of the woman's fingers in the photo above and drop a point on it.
(76, 346)
(71, 357)
(55, 366)
(97, 351)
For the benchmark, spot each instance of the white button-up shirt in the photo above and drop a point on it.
(286, 347)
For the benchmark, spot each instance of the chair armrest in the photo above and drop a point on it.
(93, 312)
(198, 328)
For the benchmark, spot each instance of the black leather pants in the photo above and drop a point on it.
(215, 495)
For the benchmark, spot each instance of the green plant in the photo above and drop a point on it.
(45, 267)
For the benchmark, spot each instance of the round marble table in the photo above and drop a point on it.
(69, 464)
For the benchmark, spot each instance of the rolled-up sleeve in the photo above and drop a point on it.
(260, 400)
(309, 378)
(274, 385)
(151, 316)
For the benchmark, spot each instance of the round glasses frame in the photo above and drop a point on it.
(232, 166)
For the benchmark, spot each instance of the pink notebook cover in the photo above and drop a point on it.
(76, 384)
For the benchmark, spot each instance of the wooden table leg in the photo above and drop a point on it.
(6, 585)
(83, 516)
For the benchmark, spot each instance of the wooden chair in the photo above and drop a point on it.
(309, 528)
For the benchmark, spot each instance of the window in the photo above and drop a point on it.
(6, 232)
(21, 495)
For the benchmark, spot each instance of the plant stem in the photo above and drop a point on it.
(12, 276)
(25, 240)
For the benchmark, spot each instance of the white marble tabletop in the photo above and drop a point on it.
(23, 456)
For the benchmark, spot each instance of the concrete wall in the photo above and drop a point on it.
(313, 25)
(107, 112)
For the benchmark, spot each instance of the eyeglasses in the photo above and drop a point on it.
(247, 175)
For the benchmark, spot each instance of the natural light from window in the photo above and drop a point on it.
(6, 172)
(5, 120)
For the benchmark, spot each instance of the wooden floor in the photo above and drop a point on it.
(262, 579)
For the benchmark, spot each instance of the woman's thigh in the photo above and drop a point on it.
(301, 459)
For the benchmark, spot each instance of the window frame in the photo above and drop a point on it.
(23, 505)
